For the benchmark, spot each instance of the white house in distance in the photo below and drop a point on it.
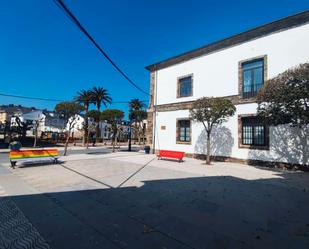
(233, 68)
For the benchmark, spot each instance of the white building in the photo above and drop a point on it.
(105, 129)
(78, 129)
(47, 121)
(233, 68)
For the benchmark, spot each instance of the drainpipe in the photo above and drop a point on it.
(154, 113)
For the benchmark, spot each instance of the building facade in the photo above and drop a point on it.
(234, 68)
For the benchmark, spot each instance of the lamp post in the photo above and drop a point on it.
(129, 145)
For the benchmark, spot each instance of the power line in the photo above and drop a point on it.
(54, 100)
(61, 4)
(32, 98)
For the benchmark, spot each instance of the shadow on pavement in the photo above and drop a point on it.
(201, 212)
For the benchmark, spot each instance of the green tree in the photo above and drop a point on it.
(94, 116)
(100, 96)
(211, 112)
(69, 111)
(113, 117)
(285, 99)
(85, 98)
(136, 104)
(136, 115)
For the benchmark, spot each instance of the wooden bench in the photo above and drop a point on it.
(171, 154)
(33, 155)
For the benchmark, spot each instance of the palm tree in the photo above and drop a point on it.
(136, 105)
(85, 98)
(100, 96)
(137, 114)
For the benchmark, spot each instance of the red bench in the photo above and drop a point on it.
(171, 154)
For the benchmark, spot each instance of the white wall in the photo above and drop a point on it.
(285, 142)
(216, 74)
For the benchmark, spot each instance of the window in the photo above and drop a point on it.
(253, 132)
(252, 77)
(185, 87)
(184, 131)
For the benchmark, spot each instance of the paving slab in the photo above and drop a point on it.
(132, 200)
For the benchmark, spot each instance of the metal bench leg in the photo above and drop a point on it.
(13, 164)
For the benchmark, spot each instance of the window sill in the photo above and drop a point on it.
(253, 147)
(243, 100)
(181, 97)
(180, 142)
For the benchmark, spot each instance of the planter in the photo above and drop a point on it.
(147, 149)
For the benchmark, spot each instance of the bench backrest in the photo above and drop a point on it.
(21, 154)
(171, 153)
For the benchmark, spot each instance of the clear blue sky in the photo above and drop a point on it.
(42, 54)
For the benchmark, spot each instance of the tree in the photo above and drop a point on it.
(95, 116)
(211, 112)
(36, 124)
(85, 98)
(113, 117)
(137, 114)
(100, 96)
(22, 126)
(136, 104)
(69, 111)
(285, 98)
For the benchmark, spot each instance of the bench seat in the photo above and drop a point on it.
(171, 154)
(33, 155)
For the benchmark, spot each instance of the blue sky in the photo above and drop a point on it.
(42, 54)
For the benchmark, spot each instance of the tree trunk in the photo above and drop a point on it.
(35, 139)
(85, 137)
(114, 139)
(67, 143)
(208, 149)
(139, 138)
(35, 135)
(97, 132)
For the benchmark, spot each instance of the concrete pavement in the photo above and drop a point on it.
(132, 200)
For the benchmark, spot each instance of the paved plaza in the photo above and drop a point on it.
(133, 200)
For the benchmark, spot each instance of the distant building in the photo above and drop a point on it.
(105, 129)
(8, 111)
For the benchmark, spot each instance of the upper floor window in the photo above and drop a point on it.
(252, 77)
(184, 87)
(254, 132)
(184, 131)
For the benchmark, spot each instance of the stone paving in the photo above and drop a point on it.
(131, 200)
(15, 229)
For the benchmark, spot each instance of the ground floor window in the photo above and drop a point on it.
(183, 130)
(253, 132)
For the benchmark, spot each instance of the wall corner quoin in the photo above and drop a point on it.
(150, 110)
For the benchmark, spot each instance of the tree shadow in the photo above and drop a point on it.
(287, 145)
(221, 142)
(198, 212)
